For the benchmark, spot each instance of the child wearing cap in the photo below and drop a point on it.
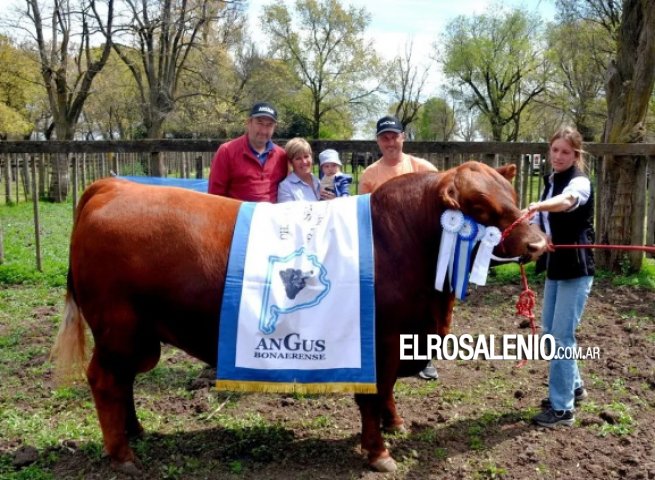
(332, 180)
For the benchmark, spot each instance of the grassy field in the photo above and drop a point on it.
(469, 424)
(56, 222)
(19, 266)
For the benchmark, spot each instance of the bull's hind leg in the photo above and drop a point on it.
(133, 427)
(111, 375)
(112, 393)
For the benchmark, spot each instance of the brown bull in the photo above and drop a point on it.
(148, 265)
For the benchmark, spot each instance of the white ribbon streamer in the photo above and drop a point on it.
(481, 231)
(451, 222)
(480, 269)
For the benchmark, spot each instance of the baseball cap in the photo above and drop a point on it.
(389, 124)
(263, 109)
(329, 156)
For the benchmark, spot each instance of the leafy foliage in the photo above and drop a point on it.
(436, 121)
(324, 45)
(18, 90)
(495, 57)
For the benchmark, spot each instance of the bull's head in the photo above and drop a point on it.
(486, 195)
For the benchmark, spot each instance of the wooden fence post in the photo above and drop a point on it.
(74, 184)
(17, 178)
(42, 172)
(114, 163)
(37, 227)
(7, 175)
(524, 167)
(26, 177)
(83, 170)
(650, 210)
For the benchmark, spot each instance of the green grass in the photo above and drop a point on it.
(510, 273)
(645, 277)
(624, 423)
(19, 264)
(33, 411)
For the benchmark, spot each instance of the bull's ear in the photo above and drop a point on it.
(507, 171)
(448, 196)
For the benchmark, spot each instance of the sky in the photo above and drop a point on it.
(395, 22)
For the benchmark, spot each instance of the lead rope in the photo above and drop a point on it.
(526, 301)
(525, 307)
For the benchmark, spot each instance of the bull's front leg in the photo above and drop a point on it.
(370, 408)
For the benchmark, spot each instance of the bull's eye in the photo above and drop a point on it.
(480, 213)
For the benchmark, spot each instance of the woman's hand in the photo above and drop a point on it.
(327, 195)
(550, 247)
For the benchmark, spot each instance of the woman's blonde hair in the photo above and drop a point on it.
(571, 136)
(297, 146)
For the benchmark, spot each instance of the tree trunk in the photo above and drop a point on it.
(650, 228)
(629, 87)
(60, 175)
(622, 218)
(59, 178)
(156, 167)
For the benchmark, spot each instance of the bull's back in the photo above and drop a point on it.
(156, 255)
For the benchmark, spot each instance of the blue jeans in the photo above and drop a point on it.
(564, 302)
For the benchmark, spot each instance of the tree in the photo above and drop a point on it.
(603, 13)
(326, 51)
(18, 90)
(155, 39)
(496, 58)
(580, 52)
(630, 79)
(68, 65)
(436, 122)
(540, 119)
(107, 114)
(406, 82)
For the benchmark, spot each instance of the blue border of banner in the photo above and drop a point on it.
(226, 368)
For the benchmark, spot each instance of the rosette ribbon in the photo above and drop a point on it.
(489, 240)
(451, 223)
(460, 265)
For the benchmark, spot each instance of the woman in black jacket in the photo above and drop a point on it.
(565, 213)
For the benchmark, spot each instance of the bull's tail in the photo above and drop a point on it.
(69, 351)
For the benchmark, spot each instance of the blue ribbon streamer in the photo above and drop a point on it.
(461, 264)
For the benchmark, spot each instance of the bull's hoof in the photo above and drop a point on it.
(128, 468)
(384, 464)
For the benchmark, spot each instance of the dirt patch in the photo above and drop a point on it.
(473, 422)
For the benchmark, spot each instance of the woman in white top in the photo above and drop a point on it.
(301, 183)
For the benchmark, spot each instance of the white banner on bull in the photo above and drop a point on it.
(304, 307)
